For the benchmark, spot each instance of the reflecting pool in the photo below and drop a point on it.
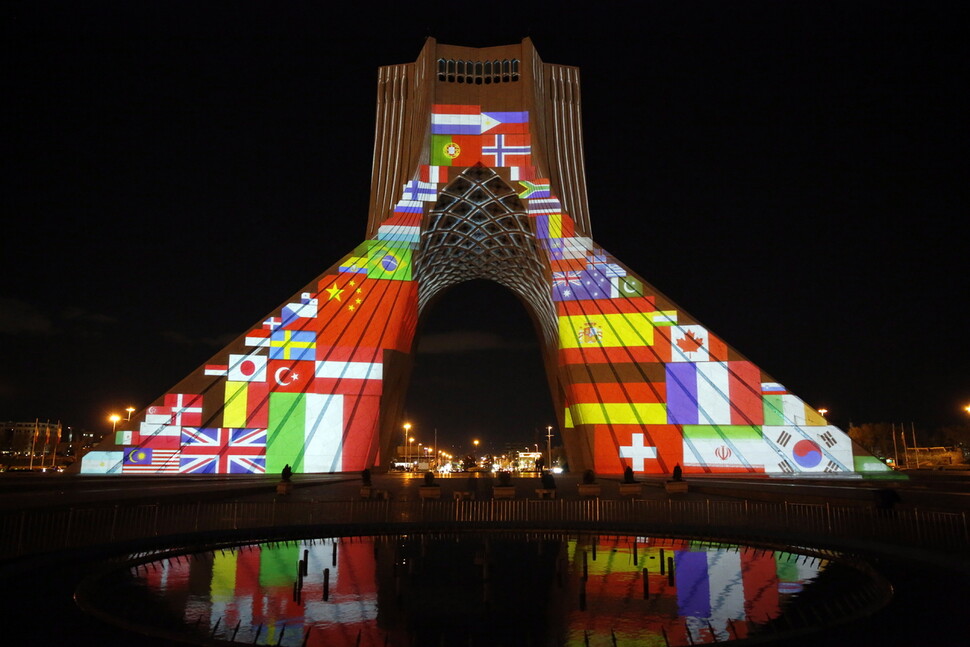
(484, 589)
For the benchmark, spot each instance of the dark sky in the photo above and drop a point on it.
(788, 172)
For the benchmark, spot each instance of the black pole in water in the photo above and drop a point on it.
(585, 567)
(282, 631)
(595, 541)
(306, 636)
(326, 584)
(215, 628)
(635, 552)
(646, 584)
(258, 629)
(334, 558)
(306, 560)
(235, 631)
(670, 571)
(663, 562)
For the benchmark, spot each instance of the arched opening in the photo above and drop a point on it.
(478, 373)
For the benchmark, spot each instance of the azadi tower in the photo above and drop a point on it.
(478, 174)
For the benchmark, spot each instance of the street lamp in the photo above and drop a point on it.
(114, 418)
(130, 411)
(407, 429)
(410, 440)
(549, 445)
(823, 412)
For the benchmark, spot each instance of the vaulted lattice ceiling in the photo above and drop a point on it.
(479, 229)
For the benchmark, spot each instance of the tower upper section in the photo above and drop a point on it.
(509, 78)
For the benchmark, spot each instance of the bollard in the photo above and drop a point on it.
(326, 584)
(646, 584)
(258, 629)
(306, 560)
(635, 555)
(663, 561)
(585, 567)
(334, 558)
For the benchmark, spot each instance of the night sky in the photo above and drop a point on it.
(788, 173)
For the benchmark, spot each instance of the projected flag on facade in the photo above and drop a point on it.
(223, 451)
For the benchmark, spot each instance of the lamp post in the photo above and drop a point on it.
(130, 411)
(822, 412)
(410, 440)
(407, 429)
(549, 445)
(114, 418)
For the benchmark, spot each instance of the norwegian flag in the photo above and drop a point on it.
(507, 150)
(223, 451)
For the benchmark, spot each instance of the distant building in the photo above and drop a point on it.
(21, 440)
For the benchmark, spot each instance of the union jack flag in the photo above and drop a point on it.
(223, 451)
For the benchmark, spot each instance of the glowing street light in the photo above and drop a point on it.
(967, 408)
(407, 430)
(130, 411)
(823, 412)
(114, 418)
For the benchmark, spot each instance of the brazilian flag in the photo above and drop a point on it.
(389, 259)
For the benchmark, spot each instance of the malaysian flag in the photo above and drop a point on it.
(150, 460)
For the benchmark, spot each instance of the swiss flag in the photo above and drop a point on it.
(616, 446)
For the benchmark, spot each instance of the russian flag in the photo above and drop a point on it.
(456, 120)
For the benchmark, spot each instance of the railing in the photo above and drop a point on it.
(822, 525)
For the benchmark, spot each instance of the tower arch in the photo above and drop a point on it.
(479, 180)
